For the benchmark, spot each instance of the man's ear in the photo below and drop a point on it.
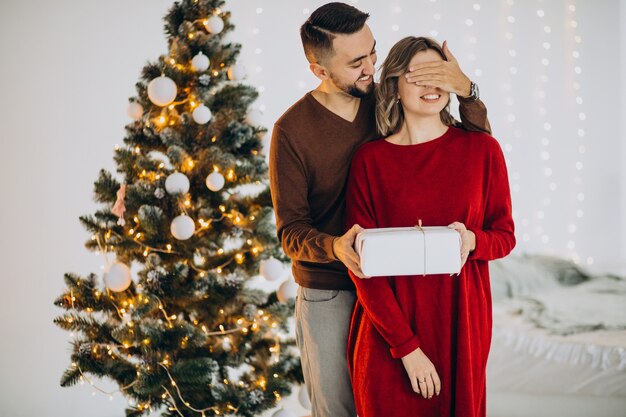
(319, 71)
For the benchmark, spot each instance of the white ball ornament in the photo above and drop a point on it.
(287, 290)
(177, 183)
(135, 110)
(200, 62)
(236, 72)
(202, 114)
(162, 90)
(272, 269)
(215, 181)
(303, 398)
(214, 24)
(283, 413)
(182, 227)
(254, 117)
(117, 277)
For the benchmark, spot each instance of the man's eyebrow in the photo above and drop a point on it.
(355, 60)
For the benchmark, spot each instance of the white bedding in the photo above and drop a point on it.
(542, 344)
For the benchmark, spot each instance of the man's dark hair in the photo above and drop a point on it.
(324, 24)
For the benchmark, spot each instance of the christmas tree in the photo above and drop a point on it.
(191, 214)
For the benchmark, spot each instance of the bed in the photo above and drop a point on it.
(559, 340)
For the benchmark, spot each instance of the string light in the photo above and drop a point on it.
(540, 96)
(574, 40)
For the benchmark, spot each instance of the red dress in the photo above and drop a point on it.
(460, 176)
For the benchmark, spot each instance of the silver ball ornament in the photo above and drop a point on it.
(215, 181)
(200, 62)
(177, 183)
(117, 277)
(162, 90)
(202, 114)
(214, 24)
(182, 227)
(254, 117)
(287, 290)
(303, 398)
(135, 110)
(236, 72)
(272, 269)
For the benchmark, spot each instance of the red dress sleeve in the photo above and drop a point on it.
(375, 294)
(496, 238)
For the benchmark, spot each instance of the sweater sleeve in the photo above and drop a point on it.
(496, 238)
(375, 294)
(289, 187)
(474, 115)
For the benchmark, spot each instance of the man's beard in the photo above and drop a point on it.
(352, 89)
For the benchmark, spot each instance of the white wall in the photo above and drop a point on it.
(68, 68)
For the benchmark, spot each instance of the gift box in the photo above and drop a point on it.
(409, 251)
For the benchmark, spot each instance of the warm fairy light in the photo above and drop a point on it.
(240, 321)
(190, 163)
(214, 139)
(252, 218)
(220, 251)
(190, 36)
(138, 235)
(169, 247)
(172, 61)
(230, 175)
(222, 329)
(219, 270)
(131, 232)
(244, 330)
(255, 251)
(239, 258)
(137, 149)
(215, 73)
(145, 253)
(222, 208)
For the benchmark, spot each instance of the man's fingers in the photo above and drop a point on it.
(425, 78)
(426, 65)
(447, 52)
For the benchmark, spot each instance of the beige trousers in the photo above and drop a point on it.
(322, 326)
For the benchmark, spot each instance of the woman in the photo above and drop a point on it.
(419, 344)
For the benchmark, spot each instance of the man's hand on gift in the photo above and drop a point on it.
(422, 374)
(343, 248)
(468, 240)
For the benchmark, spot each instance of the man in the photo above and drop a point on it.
(311, 149)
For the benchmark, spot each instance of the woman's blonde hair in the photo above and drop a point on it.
(389, 114)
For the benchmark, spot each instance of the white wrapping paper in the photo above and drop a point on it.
(409, 251)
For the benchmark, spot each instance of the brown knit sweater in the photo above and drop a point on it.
(310, 156)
